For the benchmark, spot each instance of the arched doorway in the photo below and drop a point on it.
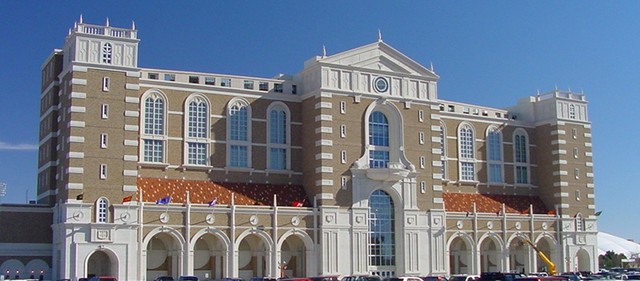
(293, 256)
(545, 247)
(100, 264)
(164, 256)
(519, 256)
(460, 260)
(209, 257)
(252, 257)
(583, 261)
(489, 256)
(382, 251)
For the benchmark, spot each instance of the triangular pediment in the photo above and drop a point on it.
(379, 56)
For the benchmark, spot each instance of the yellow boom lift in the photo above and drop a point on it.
(552, 266)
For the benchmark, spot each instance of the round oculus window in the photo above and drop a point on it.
(381, 84)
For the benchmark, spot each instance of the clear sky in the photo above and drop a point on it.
(489, 53)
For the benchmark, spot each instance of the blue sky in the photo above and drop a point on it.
(486, 52)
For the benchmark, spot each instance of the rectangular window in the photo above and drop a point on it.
(421, 137)
(194, 79)
(421, 116)
(103, 140)
(197, 153)
(422, 162)
(522, 175)
(153, 76)
(343, 182)
(495, 172)
(225, 82)
(104, 111)
(343, 131)
(294, 89)
(574, 133)
(263, 86)
(248, 84)
(467, 171)
(575, 153)
(209, 80)
(452, 108)
(277, 87)
(103, 171)
(465, 110)
(278, 159)
(238, 157)
(423, 187)
(576, 173)
(343, 156)
(153, 151)
(106, 81)
(343, 107)
(378, 159)
(170, 77)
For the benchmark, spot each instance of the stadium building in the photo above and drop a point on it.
(354, 165)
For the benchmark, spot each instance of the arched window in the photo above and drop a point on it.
(197, 138)
(443, 150)
(153, 134)
(572, 111)
(107, 53)
(381, 232)
(466, 153)
(379, 140)
(494, 155)
(521, 156)
(238, 143)
(102, 208)
(278, 137)
(579, 222)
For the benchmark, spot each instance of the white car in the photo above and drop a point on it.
(464, 277)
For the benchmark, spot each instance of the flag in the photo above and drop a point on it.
(164, 200)
(127, 199)
(297, 203)
(598, 213)
(551, 212)
(498, 213)
(213, 202)
(80, 196)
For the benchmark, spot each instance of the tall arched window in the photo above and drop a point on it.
(278, 137)
(443, 150)
(239, 146)
(579, 222)
(196, 127)
(494, 155)
(382, 244)
(521, 156)
(153, 134)
(466, 153)
(378, 140)
(107, 53)
(102, 208)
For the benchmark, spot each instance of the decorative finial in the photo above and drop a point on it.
(431, 67)
(324, 51)
(81, 18)
(69, 31)
(107, 22)
(133, 25)
(538, 92)
(569, 89)
(556, 86)
(379, 35)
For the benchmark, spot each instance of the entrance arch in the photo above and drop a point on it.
(254, 255)
(490, 254)
(583, 260)
(460, 256)
(164, 250)
(210, 255)
(293, 254)
(548, 246)
(519, 255)
(101, 263)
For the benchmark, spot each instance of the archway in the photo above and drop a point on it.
(460, 259)
(38, 268)
(209, 257)
(293, 257)
(490, 260)
(164, 256)
(100, 264)
(518, 255)
(545, 247)
(12, 269)
(583, 261)
(253, 255)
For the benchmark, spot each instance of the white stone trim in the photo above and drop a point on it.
(73, 185)
(587, 144)
(135, 74)
(587, 126)
(435, 117)
(77, 124)
(74, 154)
(591, 196)
(81, 109)
(132, 158)
(78, 81)
(324, 117)
(561, 194)
(325, 156)
(589, 175)
(327, 130)
(558, 132)
(76, 139)
(132, 113)
(326, 95)
(324, 143)
(130, 188)
(436, 139)
(437, 187)
(328, 196)
(77, 68)
(435, 128)
(131, 142)
(437, 176)
(564, 206)
(324, 183)
(588, 154)
(131, 100)
(559, 162)
(324, 169)
(132, 173)
(590, 185)
(75, 170)
(560, 173)
(323, 104)
(130, 86)
(589, 164)
(78, 95)
(587, 135)
(561, 184)
(131, 128)
(436, 163)
(438, 200)
(559, 151)
(436, 151)
(591, 206)
(559, 142)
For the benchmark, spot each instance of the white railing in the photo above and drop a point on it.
(106, 30)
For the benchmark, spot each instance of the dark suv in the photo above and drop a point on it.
(499, 276)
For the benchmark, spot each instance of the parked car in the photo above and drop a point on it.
(464, 277)
(362, 278)
(164, 278)
(408, 278)
(188, 278)
(103, 278)
(325, 278)
(434, 278)
(500, 276)
(542, 278)
(263, 279)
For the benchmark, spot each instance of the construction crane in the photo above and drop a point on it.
(551, 265)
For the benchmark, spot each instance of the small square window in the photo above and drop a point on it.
(194, 79)
(294, 89)
(452, 108)
(277, 87)
(441, 107)
(104, 111)
(153, 76)
(225, 82)
(209, 80)
(106, 82)
(263, 86)
(465, 110)
(248, 84)
(170, 77)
